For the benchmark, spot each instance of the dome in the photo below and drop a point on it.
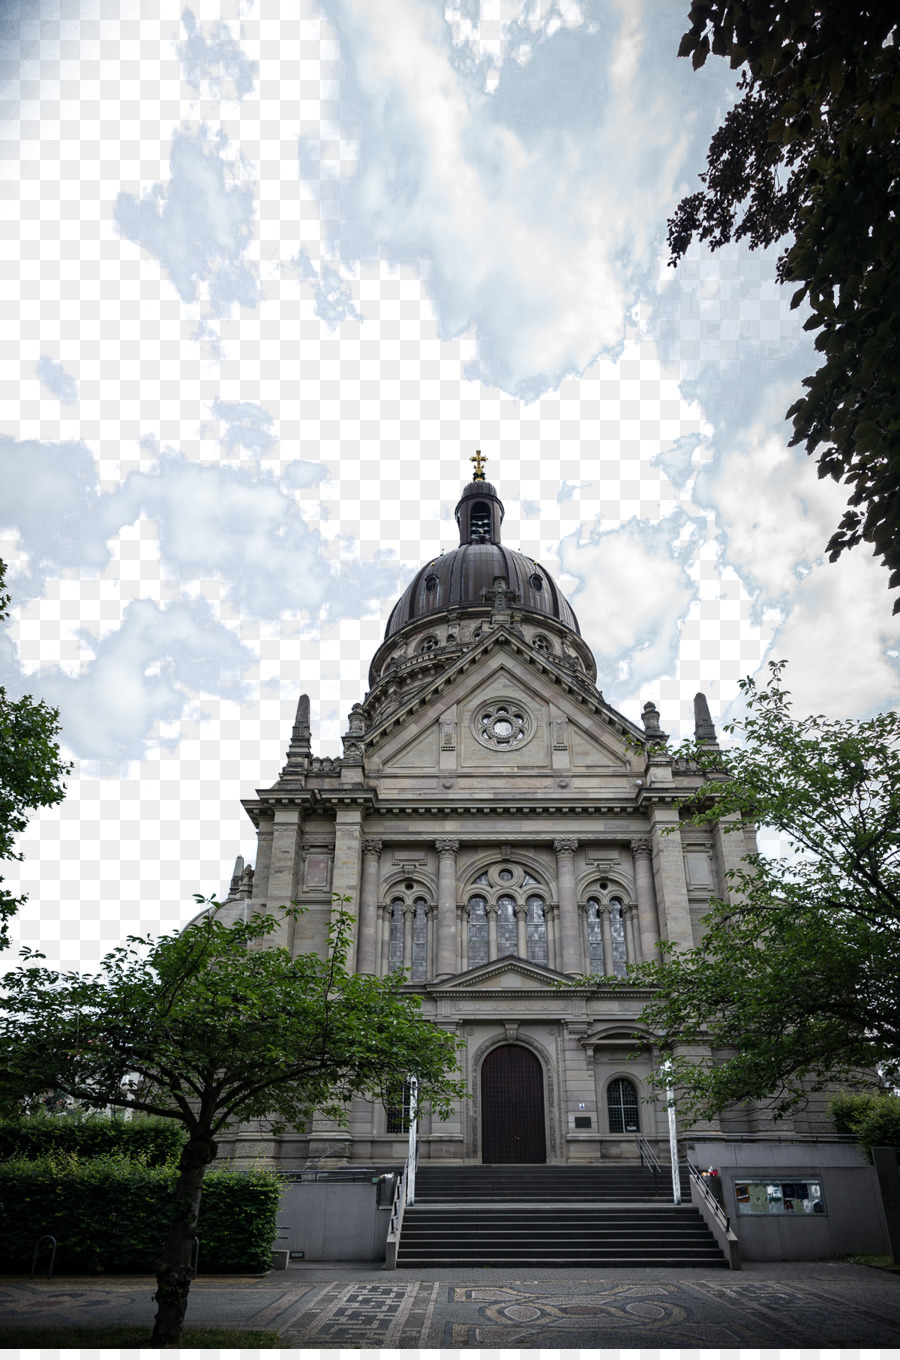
(457, 579)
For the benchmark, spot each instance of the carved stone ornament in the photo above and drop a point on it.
(446, 846)
(565, 845)
(641, 848)
(372, 847)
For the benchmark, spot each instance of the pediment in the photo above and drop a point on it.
(507, 973)
(440, 718)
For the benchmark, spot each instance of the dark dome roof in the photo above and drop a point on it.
(458, 578)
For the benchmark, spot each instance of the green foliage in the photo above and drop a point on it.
(811, 152)
(207, 1028)
(110, 1214)
(31, 771)
(794, 986)
(873, 1120)
(152, 1140)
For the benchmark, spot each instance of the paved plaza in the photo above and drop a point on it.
(784, 1306)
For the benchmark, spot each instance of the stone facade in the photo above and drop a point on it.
(498, 826)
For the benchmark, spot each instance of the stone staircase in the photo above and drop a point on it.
(551, 1216)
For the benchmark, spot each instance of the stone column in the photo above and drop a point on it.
(368, 907)
(383, 939)
(671, 888)
(631, 933)
(572, 960)
(263, 856)
(648, 919)
(431, 942)
(491, 912)
(347, 862)
(522, 931)
(609, 963)
(409, 916)
(284, 873)
(584, 930)
(551, 912)
(462, 935)
(445, 953)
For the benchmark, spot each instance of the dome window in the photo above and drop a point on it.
(431, 582)
(428, 644)
(537, 582)
(480, 520)
(541, 644)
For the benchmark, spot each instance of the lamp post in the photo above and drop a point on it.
(673, 1136)
(411, 1154)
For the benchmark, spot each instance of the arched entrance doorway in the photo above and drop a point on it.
(512, 1107)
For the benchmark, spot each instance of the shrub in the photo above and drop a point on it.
(873, 1120)
(109, 1214)
(155, 1141)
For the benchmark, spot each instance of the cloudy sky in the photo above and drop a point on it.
(268, 281)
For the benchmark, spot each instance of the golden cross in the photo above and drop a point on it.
(479, 460)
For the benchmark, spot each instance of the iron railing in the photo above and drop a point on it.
(709, 1197)
(649, 1159)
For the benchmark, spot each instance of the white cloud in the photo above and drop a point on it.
(57, 380)
(634, 588)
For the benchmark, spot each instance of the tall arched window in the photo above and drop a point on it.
(617, 927)
(506, 925)
(420, 941)
(622, 1104)
(595, 937)
(396, 954)
(536, 929)
(478, 932)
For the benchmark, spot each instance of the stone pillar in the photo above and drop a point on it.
(347, 862)
(551, 912)
(445, 953)
(284, 872)
(409, 916)
(383, 939)
(671, 888)
(263, 856)
(609, 964)
(522, 931)
(572, 959)
(491, 912)
(368, 907)
(462, 934)
(731, 846)
(632, 947)
(431, 939)
(584, 930)
(648, 919)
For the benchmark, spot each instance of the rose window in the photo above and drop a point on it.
(502, 725)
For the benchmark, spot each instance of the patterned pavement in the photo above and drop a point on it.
(841, 1308)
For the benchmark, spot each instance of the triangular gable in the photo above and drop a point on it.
(584, 708)
(508, 972)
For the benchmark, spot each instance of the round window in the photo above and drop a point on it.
(431, 583)
(503, 725)
(537, 582)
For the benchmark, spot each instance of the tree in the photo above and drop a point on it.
(873, 1120)
(31, 772)
(211, 1027)
(796, 984)
(811, 153)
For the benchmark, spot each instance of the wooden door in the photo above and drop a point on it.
(512, 1104)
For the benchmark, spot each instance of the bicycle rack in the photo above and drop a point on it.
(47, 1237)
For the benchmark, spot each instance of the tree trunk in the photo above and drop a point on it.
(174, 1269)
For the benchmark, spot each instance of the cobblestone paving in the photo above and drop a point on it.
(843, 1308)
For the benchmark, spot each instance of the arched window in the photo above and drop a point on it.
(480, 520)
(396, 954)
(617, 927)
(506, 925)
(420, 940)
(536, 929)
(595, 937)
(622, 1104)
(478, 932)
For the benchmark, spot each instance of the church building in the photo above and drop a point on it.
(500, 829)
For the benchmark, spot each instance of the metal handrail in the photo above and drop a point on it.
(649, 1159)
(711, 1200)
(47, 1237)
(335, 1147)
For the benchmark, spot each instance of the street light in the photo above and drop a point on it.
(673, 1136)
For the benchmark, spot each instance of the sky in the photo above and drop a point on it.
(268, 280)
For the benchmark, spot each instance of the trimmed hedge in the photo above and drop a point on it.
(110, 1214)
(155, 1141)
(873, 1120)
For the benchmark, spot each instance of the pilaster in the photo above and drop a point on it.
(572, 959)
(671, 888)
